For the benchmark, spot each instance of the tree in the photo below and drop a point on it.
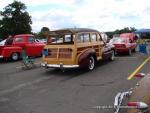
(45, 31)
(124, 30)
(39, 35)
(15, 20)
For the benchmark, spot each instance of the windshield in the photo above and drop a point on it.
(117, 40)
(63, 39)
(2, 43)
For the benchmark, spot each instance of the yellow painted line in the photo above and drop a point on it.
(138, 69)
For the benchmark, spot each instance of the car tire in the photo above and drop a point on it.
(134, 50)
(115, 51)
(15, 56)
(112, 57)
(130, 52)
(91, 64)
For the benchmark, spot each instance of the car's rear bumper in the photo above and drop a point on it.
(58, 65)
(122, 50)
(1, 57)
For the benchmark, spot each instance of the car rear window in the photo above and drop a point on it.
(61, 39)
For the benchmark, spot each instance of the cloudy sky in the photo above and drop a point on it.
(103, 15)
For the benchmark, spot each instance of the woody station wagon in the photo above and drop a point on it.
(75, 47)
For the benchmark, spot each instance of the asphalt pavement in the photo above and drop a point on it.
(41, 90)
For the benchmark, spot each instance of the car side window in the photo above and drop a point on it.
(80, 38)
(85, 37)
(31, 39)
(19, 39)
(93, 37)
(67, 38)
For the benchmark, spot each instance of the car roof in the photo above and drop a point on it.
(20, 35)
(127, 34)
(120, 38)
(72, 30)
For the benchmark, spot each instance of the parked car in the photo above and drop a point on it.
(138, 98)
(75, 47)
(123, 45)
(12, 47)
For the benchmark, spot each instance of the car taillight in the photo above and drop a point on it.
(134, 104)
(138, 105)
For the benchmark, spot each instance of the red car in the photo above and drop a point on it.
(123, 45)
(13, 46)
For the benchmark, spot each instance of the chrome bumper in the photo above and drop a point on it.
(1, 57)
(58, 66)
(119, 98)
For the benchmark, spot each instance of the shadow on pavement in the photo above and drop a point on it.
(73, 73)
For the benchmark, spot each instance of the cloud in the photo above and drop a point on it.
(44, 2)
(104, 15)
(53, 19)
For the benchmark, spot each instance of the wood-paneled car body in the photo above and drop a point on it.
(75, 47)
(138, 98)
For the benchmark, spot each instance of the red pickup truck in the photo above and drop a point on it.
(12, 47)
